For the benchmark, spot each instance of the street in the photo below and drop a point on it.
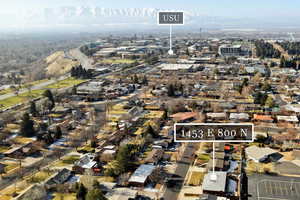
(182, 168)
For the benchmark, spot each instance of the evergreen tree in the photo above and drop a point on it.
(151, 132)
(81, 192)
(165, 115)
(58, 132)
(93, 143)
(96, 184)
(123, 157)
(33, 111)
(282, 62)
(49, 139)
(145, 80)
(187, 51)
(27, 126)
(95, 194)
(135, 79)
(270, 102)
(50, 97)
(74, 90)
(171, 91)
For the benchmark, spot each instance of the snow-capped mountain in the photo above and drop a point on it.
(92, 18)
(89, 15)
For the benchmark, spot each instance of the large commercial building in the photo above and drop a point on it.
(176, 67)
(230, 50)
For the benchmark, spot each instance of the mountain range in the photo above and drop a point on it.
(72, 18)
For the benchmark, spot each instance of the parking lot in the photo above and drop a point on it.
(276, 189)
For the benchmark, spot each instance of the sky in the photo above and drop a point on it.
(228, 8)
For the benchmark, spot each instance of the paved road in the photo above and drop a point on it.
(85, 61)
(182, 168)
(35, 87)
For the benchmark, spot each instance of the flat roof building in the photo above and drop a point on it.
(141, 174)
(176, 67)
(215, 183)
(230, 50)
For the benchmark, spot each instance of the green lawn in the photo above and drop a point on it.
(26, 96)
(204, 157)
(69, 82)
(40, 176)
(6, 103)
(64, 196)
(3, 149)
(6, 91)
(10, 166)
(118, 61)
(23, 86)
(70, 159)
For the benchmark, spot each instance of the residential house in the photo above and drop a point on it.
(122, 194)
(288, 119)
(239, 117)
(215, 183)
(263, 118)
(215, 117)
(58, 178)
(288, 139)
(21, 151)
(154, 156)
(184, 116)
(262, 154)
(141, 175)
(87, 162)
(107, 155)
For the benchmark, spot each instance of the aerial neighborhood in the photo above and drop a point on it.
(103, 128)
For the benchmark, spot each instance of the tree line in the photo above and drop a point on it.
(80, 72)
(292, 48)
(266, 50)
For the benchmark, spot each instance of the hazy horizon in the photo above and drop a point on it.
(133, 14)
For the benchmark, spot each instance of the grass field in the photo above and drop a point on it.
(8, 90)
(22, 98)
(10, 166)
(196, 178)
(4, 149)
(64, 196)
(204, 157)
(117, 61)
(69, 82)
(11, 101)
(40, 176)
(22, 140)
(71, 159)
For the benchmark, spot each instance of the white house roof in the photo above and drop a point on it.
(218, 185)
(293, 108)
(87, 161)
(216, 115)
(175, 66)
(141, 174)
(258, 153)
(239, 116)
(287, 118)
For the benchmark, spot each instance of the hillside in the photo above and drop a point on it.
(59, 64)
